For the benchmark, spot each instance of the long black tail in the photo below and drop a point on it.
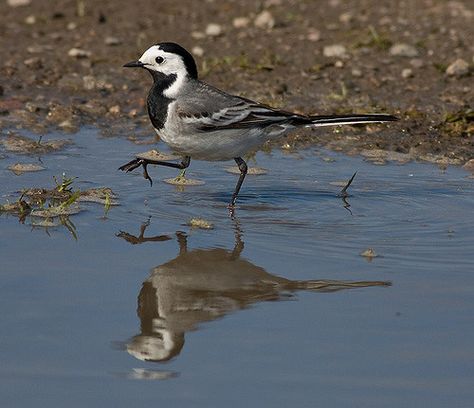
(332, 120)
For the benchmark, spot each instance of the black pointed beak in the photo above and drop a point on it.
(134, 64)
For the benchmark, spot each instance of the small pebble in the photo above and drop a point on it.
(133, 113)
(20, 168)
(335, 50)
(114, 110)
(417, 63)
(369, 253)
(71, 26)
(346, 17)
(30, 20)
(79, 53)
(356, 72)
(18, 3)
(403, 50)
(469, 165)
(33, 62)
(112, 41)
(198, 51)
(313, 35)
(264, 20)
(241, 22)
(458, 68)
(407, 73)
(270, 3)
(34, 107)
(213, 30)
(339, 64)
(198, 35)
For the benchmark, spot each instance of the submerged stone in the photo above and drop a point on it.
(25, 145)
(183, 181)
(252, 171)
(200, 223)
(20, 168)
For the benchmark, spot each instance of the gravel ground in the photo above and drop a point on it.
(61, 66)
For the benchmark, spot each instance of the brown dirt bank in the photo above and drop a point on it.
(61, 66)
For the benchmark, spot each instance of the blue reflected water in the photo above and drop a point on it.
(72, 310)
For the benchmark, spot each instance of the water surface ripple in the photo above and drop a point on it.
(274, 306)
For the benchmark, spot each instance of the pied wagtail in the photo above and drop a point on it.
(201, 122)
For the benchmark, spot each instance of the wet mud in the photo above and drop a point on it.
(62, 67)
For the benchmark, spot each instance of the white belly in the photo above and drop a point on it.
(225, 144)
(214, 146)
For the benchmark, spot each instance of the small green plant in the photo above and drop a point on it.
(342, 95)
(64, 185)
(108, 203)
(71, 200)
(378, 40)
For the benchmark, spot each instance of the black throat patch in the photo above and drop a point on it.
(157, 103)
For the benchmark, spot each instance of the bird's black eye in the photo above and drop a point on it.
(159, 60)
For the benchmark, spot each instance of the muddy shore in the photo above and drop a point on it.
(61, 67)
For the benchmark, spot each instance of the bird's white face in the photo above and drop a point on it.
(155, 59)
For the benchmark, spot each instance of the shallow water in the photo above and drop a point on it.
(244, 313)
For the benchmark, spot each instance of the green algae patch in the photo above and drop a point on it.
(200, 223)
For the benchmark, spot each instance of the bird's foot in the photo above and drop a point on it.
(135, 163)
(131, 165)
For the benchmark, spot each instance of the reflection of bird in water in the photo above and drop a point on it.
(201, 285)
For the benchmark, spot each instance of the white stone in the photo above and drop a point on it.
(78, 53)
(114, 110)
(198, 35)
(335, 50)
(407, 73)
(198, 51)
(112, 41)
(30, 20)
(264, 20)
(313, 35)
(458, 68)
(417, 63)
(241, 22)
(346, 17)
(18, 3)
(356, 72)
(213, 30)
(403, 50)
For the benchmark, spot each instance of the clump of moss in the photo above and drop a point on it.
(376, 40)
(458, 124)
(200, 223)
(48, 207)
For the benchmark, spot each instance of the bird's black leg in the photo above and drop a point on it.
(132, 165)
(243, 171)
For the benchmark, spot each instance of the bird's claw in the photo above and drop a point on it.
(145, 173)
(131, 165)
(135, 163)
